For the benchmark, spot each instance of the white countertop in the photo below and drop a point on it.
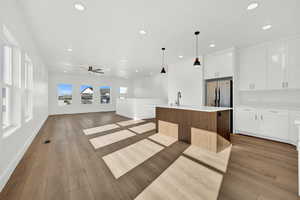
(196, 108)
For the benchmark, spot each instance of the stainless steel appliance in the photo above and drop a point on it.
(219, 93)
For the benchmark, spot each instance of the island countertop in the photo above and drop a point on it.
(195, 108)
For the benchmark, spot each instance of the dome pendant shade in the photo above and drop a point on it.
(163, 71)
(197, 62)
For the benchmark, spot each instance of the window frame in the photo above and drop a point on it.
(7, 85)
(81, 90)
(105, 87)
(28, 88)
(57, 96)
(123, 95)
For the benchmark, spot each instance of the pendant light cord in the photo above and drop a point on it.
(197, 46)
(163, 57)
(197, 41)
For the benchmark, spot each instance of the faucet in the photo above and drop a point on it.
(177, 102)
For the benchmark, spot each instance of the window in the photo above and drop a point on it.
(105, 95)
(7, 86)
(86, 93)
(64, 93)
(28, 85)
(5, 108)
(123, 92)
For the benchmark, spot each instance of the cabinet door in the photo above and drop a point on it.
(293, 60)
(274, 124)
(246, 120)
(210, 67)
(225, 63)
(219, 65)
(252, 65)
(276, 67)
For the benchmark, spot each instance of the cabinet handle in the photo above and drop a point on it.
(255, 116)
(261, 117)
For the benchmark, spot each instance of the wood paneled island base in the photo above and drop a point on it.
(206, 127)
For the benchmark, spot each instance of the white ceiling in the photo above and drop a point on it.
(107, 32)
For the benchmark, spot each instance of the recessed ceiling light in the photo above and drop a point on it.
(65, 71)
(266, 27)
(69, 50)
(142, 32)
(79, 6)
(180, 57)
(136, 70)
(252, 6)
(212, 45)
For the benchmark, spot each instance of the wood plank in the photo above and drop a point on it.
(257, 168)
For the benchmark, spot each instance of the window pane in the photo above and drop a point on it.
(105, 95)
(7, 65)
(123, 90)
(28, 73)
(5, 107)
(64, 92)
(86, 93)
(28, 105)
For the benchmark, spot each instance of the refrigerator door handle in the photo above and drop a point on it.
(216, 96)
(219, 97)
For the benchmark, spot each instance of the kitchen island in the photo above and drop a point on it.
(207, 127)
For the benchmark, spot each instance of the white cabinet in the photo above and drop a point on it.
(219, 65)
(293, 70)
(274, 124)
(253, 73)
(277, 65)
(271, 124)
(270, 66)
(246, 120)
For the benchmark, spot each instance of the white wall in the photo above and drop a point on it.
(76, 81)
(13, 146)
(155, 86)
(184, 77)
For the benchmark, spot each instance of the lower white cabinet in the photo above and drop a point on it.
(272, 124)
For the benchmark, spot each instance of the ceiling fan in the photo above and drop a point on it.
(98, 70)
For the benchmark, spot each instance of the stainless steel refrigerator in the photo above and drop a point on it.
(219, 93)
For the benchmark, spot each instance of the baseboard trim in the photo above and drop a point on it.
(81, 113)
(14, 163)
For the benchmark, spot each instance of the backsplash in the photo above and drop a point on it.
(287, 98)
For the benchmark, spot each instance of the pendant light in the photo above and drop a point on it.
(197, 61)
(163, 70)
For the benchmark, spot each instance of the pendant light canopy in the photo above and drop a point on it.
(197, 61)
(163, 70)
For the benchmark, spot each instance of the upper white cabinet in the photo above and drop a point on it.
(270, 66)
(277, 65)
(252, 62)
(219, 64)
(293, 69)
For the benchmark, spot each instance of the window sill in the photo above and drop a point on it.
(8, 131)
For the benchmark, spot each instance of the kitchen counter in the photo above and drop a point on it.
(196, 108)
(207, 127)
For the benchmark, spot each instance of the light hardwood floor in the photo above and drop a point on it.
(69, 168)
